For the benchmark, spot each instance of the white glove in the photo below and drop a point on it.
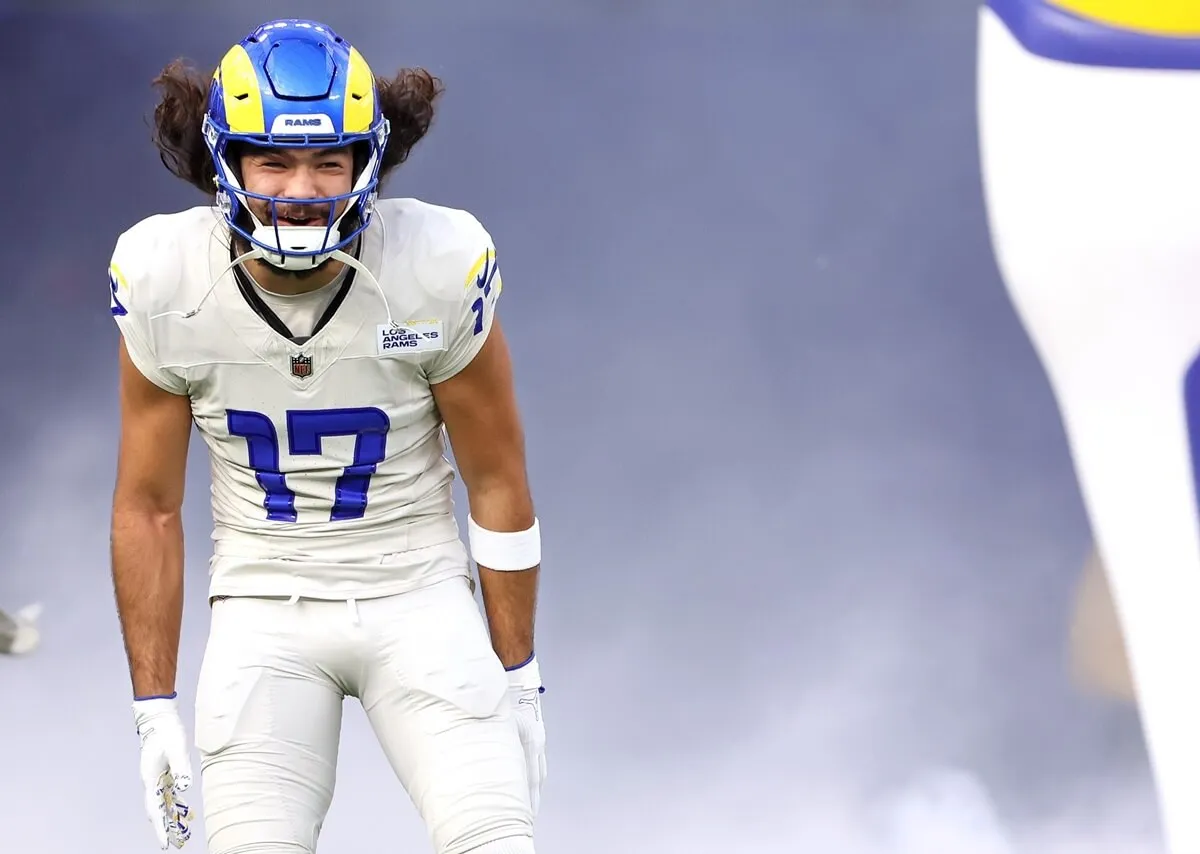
(525, 690)
(166, 768)
(19, 632)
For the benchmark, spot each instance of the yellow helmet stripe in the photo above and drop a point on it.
(243, 92)
(359, 101)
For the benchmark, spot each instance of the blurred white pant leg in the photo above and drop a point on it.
(1093, 189)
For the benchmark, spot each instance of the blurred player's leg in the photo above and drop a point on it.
(268, 717)
(1092, 177)
(1097, 646)
(437, 698)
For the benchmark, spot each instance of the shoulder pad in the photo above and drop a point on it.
(449, 248)
(146, 268)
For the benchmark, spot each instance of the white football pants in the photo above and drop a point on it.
(1093, 189)
(269, 713)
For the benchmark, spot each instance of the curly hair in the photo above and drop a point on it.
(406, 100)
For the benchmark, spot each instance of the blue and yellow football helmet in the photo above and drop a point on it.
(298, 84)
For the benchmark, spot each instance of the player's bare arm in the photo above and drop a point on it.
(479, 408)
(147, 528)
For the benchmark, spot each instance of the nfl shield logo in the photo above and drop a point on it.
(301, 366)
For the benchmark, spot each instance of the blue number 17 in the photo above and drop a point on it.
(306, 428)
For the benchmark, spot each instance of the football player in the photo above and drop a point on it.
(1090, 124)
(320, 339)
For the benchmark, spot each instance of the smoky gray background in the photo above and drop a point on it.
(811, 528)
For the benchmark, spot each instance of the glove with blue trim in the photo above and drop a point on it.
(166, 768)
(525, 690)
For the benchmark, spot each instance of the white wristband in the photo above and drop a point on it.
(505, 552)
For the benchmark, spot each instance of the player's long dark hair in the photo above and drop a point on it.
(407, 100)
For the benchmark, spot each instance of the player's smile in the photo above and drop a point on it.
(308, 219)
(296, 213)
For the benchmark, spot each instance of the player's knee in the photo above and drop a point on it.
(263, 848)
(508, 845)
(479, 828)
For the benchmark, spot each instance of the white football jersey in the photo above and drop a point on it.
(327, 458)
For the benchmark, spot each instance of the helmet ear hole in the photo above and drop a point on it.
(362, 154)
(235, 150)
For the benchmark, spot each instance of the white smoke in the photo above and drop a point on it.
(798, 766)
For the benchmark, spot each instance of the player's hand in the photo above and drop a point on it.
(166, 768)
(525, 690)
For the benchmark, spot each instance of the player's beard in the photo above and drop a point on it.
(303, 275)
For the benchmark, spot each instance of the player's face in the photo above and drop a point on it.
(298, 174)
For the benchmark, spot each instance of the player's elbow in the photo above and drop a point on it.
(130, 516)
(500, 499)
(151, 472)
(139, 529)
(157, 503)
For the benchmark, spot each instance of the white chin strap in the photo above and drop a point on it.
(259, 252)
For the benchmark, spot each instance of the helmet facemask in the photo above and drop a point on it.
(296, 247)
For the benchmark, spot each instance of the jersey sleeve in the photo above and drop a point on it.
(131, 273)
(467, 277)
